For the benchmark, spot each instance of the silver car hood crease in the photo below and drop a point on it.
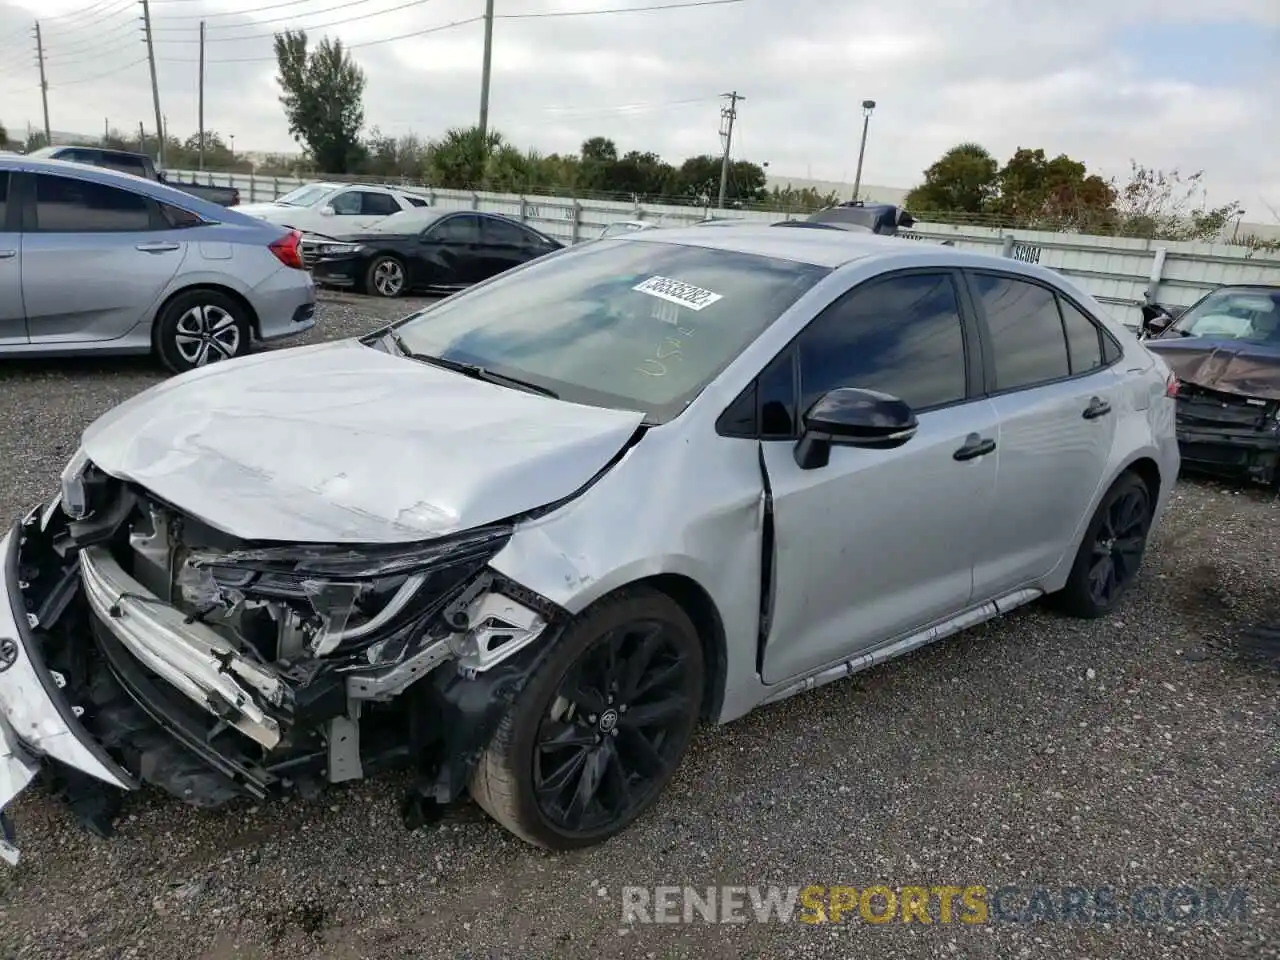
(342, 443)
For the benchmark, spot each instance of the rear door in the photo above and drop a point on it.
(1057, 403)
(452, 251)
(96, 260)
(505, 245)
(13, 326)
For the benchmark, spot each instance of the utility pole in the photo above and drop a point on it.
(867, 107)
(155, 84)
(44, 87)
(486, 70)
(142, 138)
(201, 120)
(727, 116)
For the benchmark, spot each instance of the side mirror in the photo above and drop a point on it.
(1156, 319)
(852, 417)
(326, 211)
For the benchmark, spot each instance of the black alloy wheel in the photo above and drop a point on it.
(1112, 551)
(601, 727)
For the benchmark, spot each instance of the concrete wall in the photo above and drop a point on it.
(1121, 273)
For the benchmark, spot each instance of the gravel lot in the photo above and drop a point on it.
(1129, 751)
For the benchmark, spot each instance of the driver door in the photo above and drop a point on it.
(452, 252)
(878, 543)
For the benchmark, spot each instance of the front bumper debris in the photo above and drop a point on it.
(36, 720)
(109, 676)
(1229, 434)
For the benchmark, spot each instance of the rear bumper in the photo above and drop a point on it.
(284, 304)
(1250, 454)
(37, 723)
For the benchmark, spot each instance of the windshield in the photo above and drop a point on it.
(306, 196)
(1236, 314)
(635, 325)
(407, 221)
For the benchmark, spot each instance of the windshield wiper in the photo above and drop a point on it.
(473, 370)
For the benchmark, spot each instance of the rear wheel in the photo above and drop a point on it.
(601, 726)
(386, 277)
(199, 327)
(1111, 552)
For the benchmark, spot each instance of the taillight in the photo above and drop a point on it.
(1171, 386)
(288, 249)
(235, 198)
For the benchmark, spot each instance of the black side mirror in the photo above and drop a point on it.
(1156, 319)
(851, 417)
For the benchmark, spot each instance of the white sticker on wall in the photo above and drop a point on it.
(678, 292)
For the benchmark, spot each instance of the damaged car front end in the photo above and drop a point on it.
(146, 646)
(1225, 352)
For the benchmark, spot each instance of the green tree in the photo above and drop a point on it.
(699, 178)
(322, 99)
(459, 159)
(4, 137)
(962, 180)
(643, 174)
(1054, 194)
(36, 140)
(1169, 206)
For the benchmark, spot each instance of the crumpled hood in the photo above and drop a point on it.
(341, 442)
(1249, 369)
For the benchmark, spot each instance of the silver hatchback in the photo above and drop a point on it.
(94, 261)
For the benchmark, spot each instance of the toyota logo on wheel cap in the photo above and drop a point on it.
(8, 654)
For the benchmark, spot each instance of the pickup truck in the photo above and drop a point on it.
(140, 165)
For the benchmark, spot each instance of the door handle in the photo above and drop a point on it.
(974, 447)
(1096, 408)
(8, 254)
(156, 246)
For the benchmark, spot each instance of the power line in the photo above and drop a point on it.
(243, 13)
(348, 46)
(437, 29)
(102, 18)
(314, 26)
(625, 108)
(110, 40)
(98, 76)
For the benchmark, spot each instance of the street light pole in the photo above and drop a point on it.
(867, 107)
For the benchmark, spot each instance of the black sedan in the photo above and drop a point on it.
(425, 250)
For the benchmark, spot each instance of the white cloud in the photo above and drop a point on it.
(1070, 78)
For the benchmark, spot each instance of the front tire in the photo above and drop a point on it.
(1111, 552)
(199, 327)
(386, 277)
(601, 726)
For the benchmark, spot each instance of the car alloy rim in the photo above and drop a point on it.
(388, 278)
(614, 729)
(205, 334)
(1118, 546)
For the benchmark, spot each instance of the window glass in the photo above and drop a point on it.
(495, 230)
(4, 198)
(776, 395)
(66, 205)
(1083, 340)
(378, 204)
(134, 165)
(901, 336)
(1111, 351)
(638, 326)
(461, 229)
(1238, 313)
(1026, 331)
(346, 204)
(416, 201)
(177, 217)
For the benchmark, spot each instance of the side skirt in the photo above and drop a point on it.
(896, 648)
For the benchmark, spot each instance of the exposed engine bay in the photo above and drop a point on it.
(216, 668)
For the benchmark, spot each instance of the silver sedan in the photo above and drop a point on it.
(95, 261)
(531, 535)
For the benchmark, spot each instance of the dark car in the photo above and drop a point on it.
(882, 218)
(426, 250)
(140, 165)
(1225, 351)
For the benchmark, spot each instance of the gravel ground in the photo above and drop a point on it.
(1129, 751)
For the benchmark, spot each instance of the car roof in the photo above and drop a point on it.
(835, 248)
(127, 181)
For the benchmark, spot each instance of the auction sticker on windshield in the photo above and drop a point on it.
(678, 292)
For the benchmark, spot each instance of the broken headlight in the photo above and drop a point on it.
(350, 596)
(75, 492)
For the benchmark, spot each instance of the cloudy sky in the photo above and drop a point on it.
(1171, 83)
